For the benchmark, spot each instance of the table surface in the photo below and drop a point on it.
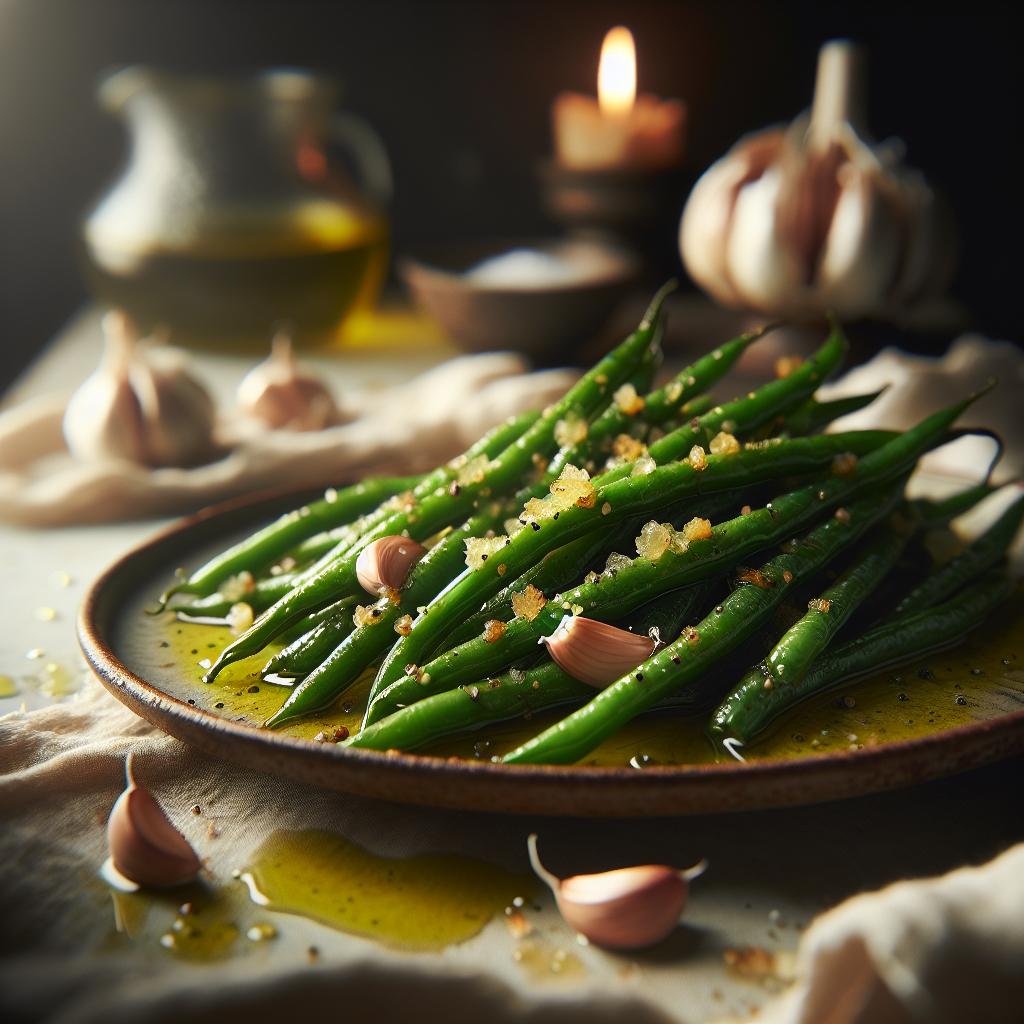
(771, 871)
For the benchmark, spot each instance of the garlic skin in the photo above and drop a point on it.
(144, 846)
(797, 220)
(627, 908)
(282, 396)
(141, 405)
(385, 564)
(594, 652)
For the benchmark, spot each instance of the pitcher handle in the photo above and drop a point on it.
(368, 154)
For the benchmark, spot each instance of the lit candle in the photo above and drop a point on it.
(619, 128)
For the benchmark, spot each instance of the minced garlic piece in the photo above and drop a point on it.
(606, 508)
(474, 471)
(236, 587)
(573, 487)
(785, 365)
(691, 636)
(819, 604)
(628, 401)
(698, 458)
(644, 466)
(494, 630)
(404, 502)
(527, 604)
(756, 577)
(844, 464)
(570, 430)
(479, 549)
(724, 444)
(654, 540)
(674, 390)
(615, 562)
(367, 615)
(403, 626)
(697, 529)
(627, 448)
(240, 618)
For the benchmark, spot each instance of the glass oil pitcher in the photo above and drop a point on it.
(229, 218)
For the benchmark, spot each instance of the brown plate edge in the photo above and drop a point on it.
(481, 786)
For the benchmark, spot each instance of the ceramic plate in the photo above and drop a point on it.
(841, 747)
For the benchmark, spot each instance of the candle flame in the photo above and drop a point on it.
(616, 73)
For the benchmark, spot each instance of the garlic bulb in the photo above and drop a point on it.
(140, 405)
(282, 396)
(627, 908)
(144, 846)
(594, 652)
(385, 564)
(798, 220)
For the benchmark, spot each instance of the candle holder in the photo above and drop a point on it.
(636, 208)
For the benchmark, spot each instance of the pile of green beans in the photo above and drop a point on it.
(764, 486)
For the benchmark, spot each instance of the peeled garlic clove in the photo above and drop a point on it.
(627, 908)
(144, 846)
(282, 396)
(594, 652)
(385, 564)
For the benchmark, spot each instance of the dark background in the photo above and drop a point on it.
(461, 93)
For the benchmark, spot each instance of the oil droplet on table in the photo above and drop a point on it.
(543, 961)
(425, 902)
(193, 922)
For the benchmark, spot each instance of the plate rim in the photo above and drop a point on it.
(389, 772)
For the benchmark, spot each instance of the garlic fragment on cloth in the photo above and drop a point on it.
(284, 397)
(594, 652)
(144, 846)
(386, 563)
(797, 220)
(627, 908)
(140, 405)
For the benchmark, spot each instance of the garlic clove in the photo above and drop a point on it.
(594, 652)
(284, 397)
(627, 908)
(177, 410)
(707, 216)
(385, 564)
(144, 846)
(761, 266)
(860, 256)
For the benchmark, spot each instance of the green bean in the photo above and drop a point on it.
(512, 695)
(258, 595)
(792, 657)
(262, 548)
(683, 662)
(304, 654)
(617, 494)
(982, 554)
(813, 414)
(900, 640)
(447, 505)
(935, 512)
